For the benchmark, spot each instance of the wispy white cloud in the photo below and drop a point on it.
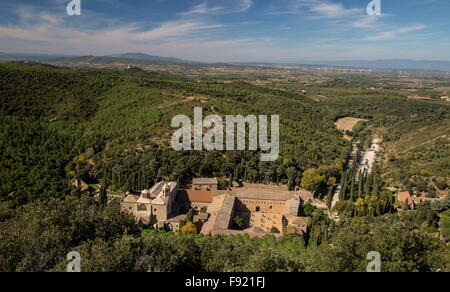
(236, 6)
(366, 22)
(54, 27)
(395, 33)
(53, 33)
(333, 10)
(245, 5)
(202, 8)
(314, 8)
(173, 29)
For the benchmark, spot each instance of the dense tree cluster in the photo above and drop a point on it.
(363, 195)
(33, 158)
(42, 233)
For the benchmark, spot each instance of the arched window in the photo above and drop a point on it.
(143, 208)
(258, 209)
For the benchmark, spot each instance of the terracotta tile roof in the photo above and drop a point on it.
(404, 196)
(197, 196)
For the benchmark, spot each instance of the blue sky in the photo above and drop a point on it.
(230, 30)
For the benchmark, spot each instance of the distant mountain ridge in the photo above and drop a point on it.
(139, 58)
(146, 59)
(30, 57)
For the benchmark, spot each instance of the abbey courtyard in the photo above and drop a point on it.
(256, 210)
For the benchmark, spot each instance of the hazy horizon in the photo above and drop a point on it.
(298, 62)
(282, 31)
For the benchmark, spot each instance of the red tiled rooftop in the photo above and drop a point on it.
(200, 196)
(404, 196)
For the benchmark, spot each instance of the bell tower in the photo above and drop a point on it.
(166, 191)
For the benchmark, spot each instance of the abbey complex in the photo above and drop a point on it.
(250, 209)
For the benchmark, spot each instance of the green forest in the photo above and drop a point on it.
(111, 128)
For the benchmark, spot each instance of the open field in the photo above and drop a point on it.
(347, 123)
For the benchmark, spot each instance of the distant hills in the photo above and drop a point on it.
(141, 56)
(131, 58)
(30, 57)
(145, 59)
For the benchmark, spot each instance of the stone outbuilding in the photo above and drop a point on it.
(206, 184)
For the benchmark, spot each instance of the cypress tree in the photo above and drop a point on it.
(360, 185)
(352, 190)
(330, 199)
(343, 186)
(368, 185)
(376, 187)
